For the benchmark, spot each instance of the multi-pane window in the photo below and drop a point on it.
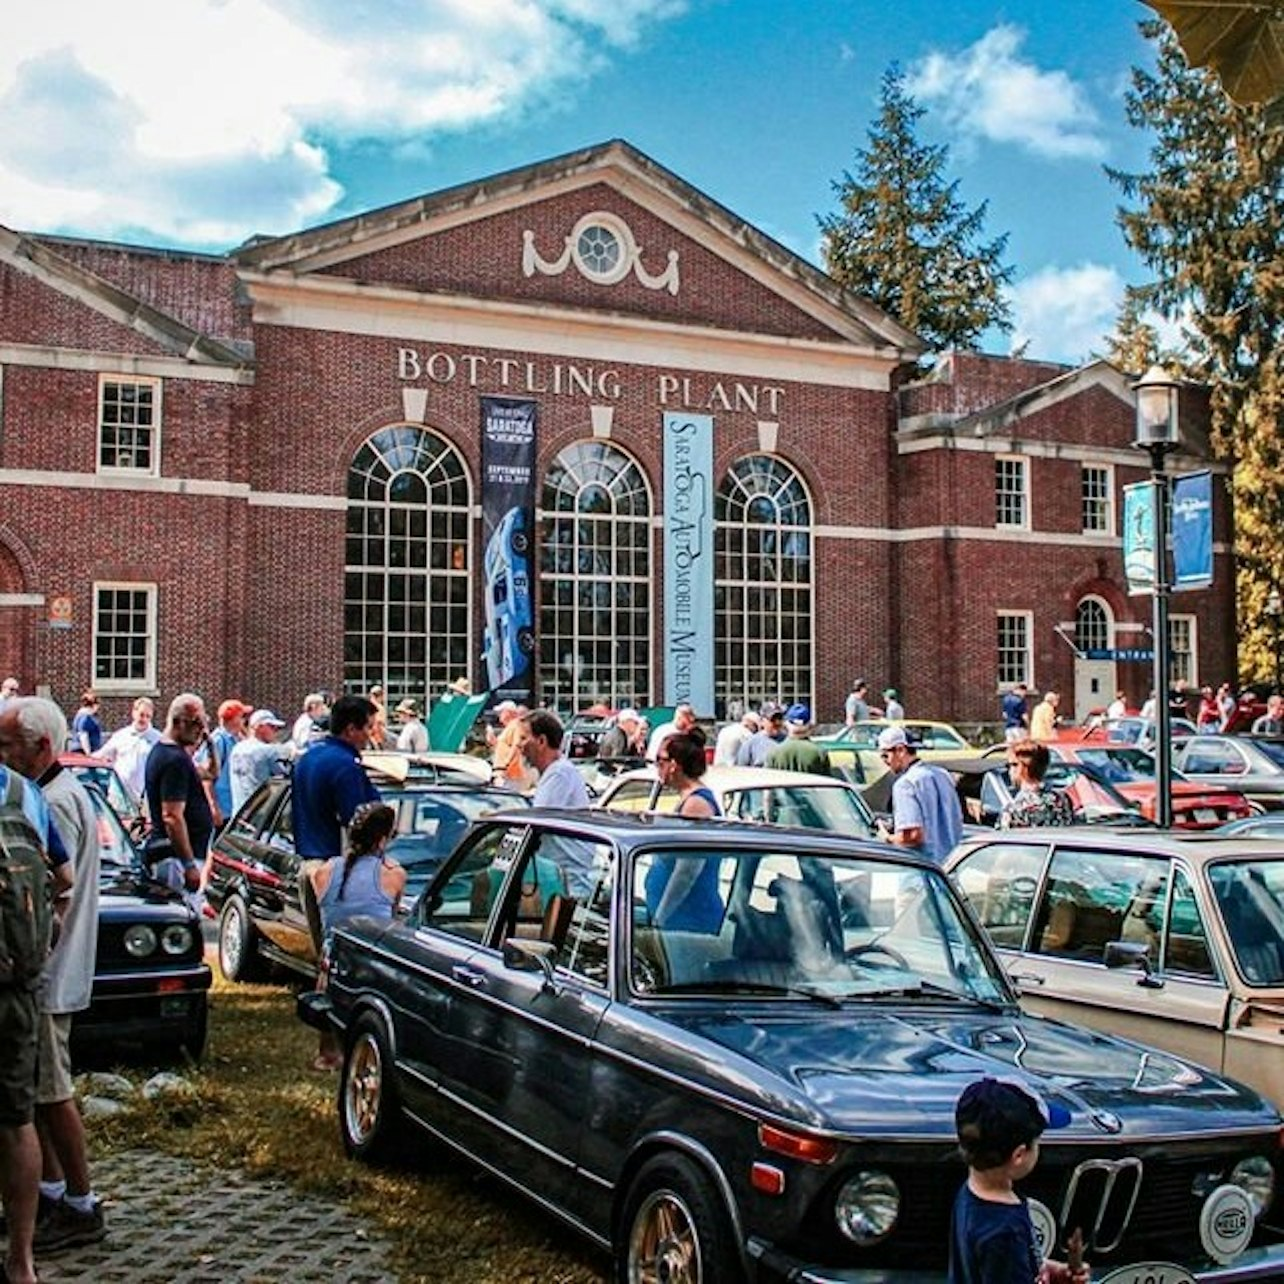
(595, 582)
(407, 565)
(1011, 492)
(1091, 626)
(1181, 643)
(1014, 659)
(1098, 499)
(125, 637)
(129, 424)
(763, 585)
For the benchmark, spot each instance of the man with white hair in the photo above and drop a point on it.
(731, 737)
(305, 725)
(9, 689)
(618, 739)
(176, 798)
(127, 749)
(32, 731)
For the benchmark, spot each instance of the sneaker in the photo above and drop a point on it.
(65, 1227)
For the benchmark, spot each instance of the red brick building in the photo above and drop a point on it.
(262, 473)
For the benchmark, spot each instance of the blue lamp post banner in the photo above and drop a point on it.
(1193, 530)
(1139, 536)
(688, 560)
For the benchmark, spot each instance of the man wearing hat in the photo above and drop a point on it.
(893, 709)
(413, 736)
(771, 731)
(230, 733)
(508, 764)
(256, 757)
(618, 741)
(799, 752)
(926, 813)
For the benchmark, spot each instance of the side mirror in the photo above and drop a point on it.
(532, 956)
(1119, 954)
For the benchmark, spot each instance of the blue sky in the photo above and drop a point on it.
(200, 122)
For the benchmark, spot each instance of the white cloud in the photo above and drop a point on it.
(989, 92)
(1065, 314)
(204, 120)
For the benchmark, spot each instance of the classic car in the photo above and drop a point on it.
(758, 794)
(1128, 730)
(1131, 770)
(727, 1052)
(932, 738)
(102, 774)
(509, 636)
(150, 977)
(1175, 940)
(1254, 767)
(254, 871)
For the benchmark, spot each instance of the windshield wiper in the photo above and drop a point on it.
(931, 990)
(731, 986)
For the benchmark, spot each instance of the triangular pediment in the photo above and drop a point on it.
(36, 261)
(677, 252)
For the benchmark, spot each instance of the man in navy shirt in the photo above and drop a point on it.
(1015, 717)
(329, 782)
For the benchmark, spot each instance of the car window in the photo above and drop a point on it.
(1273, 749)
(282, 836)
(1212, 758)
(1187, 947)
(1250, 899)
(586, 949)
(829, 807)
(1000, 881)
(461, 899)
(1093, 897)
(632, 795)
(253, 816)
(846, 764)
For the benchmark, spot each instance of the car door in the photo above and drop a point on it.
(246, 859)
(1134, 903)
(527, 1040)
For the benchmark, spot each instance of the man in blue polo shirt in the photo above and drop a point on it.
(329, 782)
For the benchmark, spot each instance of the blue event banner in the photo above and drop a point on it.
(1139, 537)
(1193, 530)
(688, 560)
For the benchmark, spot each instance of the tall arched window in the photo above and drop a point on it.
(1092, 625)
(595, 584)
(406, 613)
(763, 585)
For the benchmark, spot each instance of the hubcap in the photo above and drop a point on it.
(232, 942)
(664, 1247)
(364, 1089)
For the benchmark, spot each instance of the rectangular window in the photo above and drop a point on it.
(1098, 500)
(1011, 492)
(1182, 649)
(125, 637)
(1015, 661)
(129, 425)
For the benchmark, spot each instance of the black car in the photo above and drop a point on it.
(150, 977)
(254, 872)
(726, 1052)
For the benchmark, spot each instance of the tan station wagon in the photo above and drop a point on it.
(1175, 941)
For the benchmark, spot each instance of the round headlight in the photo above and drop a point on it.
(176, 939)
(140, 940)
(1255, 1176)
(867, 1207)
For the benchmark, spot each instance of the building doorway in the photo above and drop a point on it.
(17, 623)
(1095, 677)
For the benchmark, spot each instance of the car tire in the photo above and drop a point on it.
(674, 1227)
(238, 956)
(525, 640)
(370, 1118)
(520, 542)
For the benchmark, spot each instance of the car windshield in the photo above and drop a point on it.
(1250, 899)
(1273, 749)
(1095, 801)
(1119, 766)
(115, 851)
(714, 921)
(837, 808)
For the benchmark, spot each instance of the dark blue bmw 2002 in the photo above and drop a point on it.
(728, 1052)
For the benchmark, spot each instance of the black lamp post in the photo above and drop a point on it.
(1274, 611)
(1157, 435)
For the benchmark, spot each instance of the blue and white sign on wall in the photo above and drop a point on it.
(1139, 536)
(688, 560)
(1193, 530)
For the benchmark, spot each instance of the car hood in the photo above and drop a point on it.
(897, 1073)
(123, 890)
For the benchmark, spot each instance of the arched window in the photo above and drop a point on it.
(595, 584)
(763, 585)
(1092, 625)
(406, 608)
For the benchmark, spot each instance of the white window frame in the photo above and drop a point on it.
(1026, 500)
(1108, 470)
(146, 685)
(1002, 683)
(154, 469)
(1191, 624)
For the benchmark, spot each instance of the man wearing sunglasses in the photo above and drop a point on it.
(926, 813)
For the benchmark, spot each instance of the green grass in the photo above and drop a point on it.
(259, 1107)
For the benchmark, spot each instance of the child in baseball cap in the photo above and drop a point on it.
(992, 1239)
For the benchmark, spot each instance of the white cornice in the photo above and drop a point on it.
(1123, 458)
(56, 358)
(333, 304)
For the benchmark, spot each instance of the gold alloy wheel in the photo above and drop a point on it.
(363, 1090)
(664, 1245)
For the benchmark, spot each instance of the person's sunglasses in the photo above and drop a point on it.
(662, 757)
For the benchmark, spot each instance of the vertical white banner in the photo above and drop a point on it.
(688, 560)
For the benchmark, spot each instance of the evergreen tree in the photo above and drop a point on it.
(905, 241)
(1208, 220)
(1134, 346)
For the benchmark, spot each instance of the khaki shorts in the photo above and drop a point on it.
(19, 1023)
(54, 1082)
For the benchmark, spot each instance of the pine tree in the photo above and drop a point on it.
(1135, 346)
(905, 241)
(1208, 221)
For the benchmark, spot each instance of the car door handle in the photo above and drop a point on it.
(1028, 978)
(468, 976)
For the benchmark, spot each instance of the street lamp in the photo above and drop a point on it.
(1157, 435)
(1274, 611)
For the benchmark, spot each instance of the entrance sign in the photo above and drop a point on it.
(1139, 536)
(688, 560)
(1193, 530)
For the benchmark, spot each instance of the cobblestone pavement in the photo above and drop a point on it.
(170, 1222)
